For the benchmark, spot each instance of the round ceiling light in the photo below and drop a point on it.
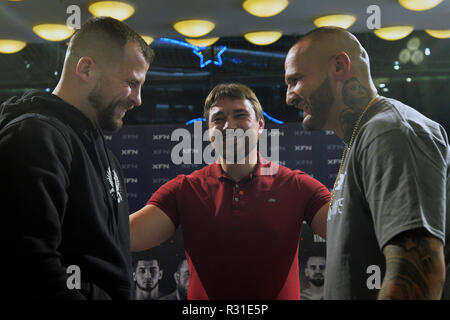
(419, 5)
(194, 28)
(115, 9)
(264, 8)
(204, 42)
(335, 20)
(53, 32)
(439, 33)
(148, 39)
(263, 38)
(394, 32)
(11, 46)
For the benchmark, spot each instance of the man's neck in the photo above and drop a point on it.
(239, 171)
(316, 290)
(147, 295)
(69, 97)
(356, 96)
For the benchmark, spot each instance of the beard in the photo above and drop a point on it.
(147, 285)
(182, 292)
(317, 281)
(320, 103)
(106, 112)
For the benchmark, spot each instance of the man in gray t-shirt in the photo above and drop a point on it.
(386, 225)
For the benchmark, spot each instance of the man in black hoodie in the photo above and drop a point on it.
(63, 199)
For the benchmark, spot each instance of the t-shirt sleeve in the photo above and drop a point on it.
(404, 177)
(165, 198)
(315, 193)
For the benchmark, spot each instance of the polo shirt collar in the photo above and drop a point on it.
(216, 170)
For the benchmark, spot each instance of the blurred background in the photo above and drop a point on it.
(415, 68)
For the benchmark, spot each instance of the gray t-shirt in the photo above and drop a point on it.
(395, 178)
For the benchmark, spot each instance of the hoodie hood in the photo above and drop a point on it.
(46, 104)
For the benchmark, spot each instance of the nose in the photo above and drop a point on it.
(290, 96)
(229, 124)
(135, 97)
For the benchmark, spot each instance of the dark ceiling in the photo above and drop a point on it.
(177, 83)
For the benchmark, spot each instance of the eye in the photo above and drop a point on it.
(132, 83)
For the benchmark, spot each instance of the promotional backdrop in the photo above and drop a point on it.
(145, 156)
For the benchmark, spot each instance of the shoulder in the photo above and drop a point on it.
(36, 128)
(395, 119)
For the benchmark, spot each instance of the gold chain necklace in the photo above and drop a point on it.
(347, 148)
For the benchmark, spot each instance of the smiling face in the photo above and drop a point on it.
(308, 87)
(118, 89)
(235, 122)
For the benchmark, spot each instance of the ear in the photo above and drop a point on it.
(341, 66)
(161, 272)
(176, 277)
(134, 276)
(85, 68)
(261, 125)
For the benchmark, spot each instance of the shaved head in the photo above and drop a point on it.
(327, 73)
(104, 70)
(104, 39)
(322, 43)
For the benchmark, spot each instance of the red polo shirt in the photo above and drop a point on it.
(241, 239)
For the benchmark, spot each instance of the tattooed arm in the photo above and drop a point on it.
(415, 267)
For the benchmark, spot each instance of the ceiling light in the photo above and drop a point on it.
(53, 32)
(11, 46)
(263, 38)
(393, 33)
(335, 20)
(404, 56)
(204, 42)
(417, 57)
(413, 43)
(148, 39)
(194, 28)
(439, 33)
(115, 9)
(264, 8)
(419, 5)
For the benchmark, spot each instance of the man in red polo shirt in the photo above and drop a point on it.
(241, 226)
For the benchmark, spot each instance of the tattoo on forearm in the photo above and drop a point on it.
(411, 260)
(355, 97)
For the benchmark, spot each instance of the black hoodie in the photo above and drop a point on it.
(63, 203)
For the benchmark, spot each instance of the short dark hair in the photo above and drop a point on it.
(232, 91)
(115, 32)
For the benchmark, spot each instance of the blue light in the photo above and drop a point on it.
(272, 118)
(219, 58)
(196, 50)
(264, 113)
(195, 120)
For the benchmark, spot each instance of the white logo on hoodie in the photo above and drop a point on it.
(114, 184)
